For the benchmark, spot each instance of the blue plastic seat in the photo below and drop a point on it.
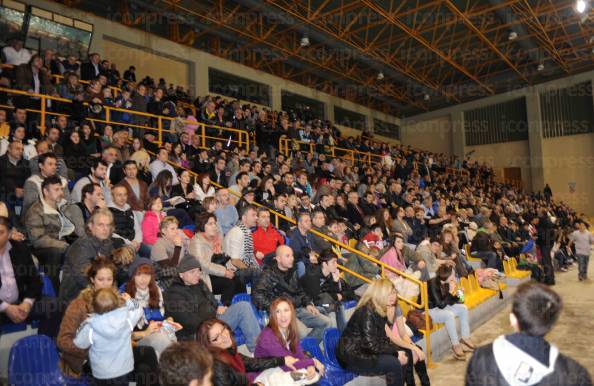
(310, 345)
(335, 373)
(33, 360)
(48, 289)
(349, 304)
(243, 297)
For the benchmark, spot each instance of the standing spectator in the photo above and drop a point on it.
(92, 69)
(583, 241)
(15, 53)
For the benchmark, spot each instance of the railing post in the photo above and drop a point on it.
(425, 300)
(160, 126)
(203, 130)
(107, 115)
(42, 126)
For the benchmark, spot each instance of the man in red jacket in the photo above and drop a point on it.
(266, 237)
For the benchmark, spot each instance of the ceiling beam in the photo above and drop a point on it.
(483, 38)
(420, 39)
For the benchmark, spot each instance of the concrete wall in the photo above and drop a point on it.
(106, 32)
(504, 155)
(432, 134)
(568, 160)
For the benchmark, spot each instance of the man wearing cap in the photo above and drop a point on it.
(189, 301)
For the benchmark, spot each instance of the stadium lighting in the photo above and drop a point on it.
(380, 75)
(580, 6)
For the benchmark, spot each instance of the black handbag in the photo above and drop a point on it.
(219, 258)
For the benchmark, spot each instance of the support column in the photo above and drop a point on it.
(458, 134)
(535, 140)
(276, 97)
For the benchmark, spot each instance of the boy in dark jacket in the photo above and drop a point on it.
(525, 357)
(327, 289)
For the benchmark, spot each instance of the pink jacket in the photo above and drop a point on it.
(391, 259)
(150, 226)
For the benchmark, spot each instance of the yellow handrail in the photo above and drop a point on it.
(243, 139)
(284, 144)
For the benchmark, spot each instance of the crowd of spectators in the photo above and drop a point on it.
(106, 208)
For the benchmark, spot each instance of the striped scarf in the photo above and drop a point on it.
(247, 256)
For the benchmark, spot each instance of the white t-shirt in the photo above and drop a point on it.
(583, 242)
(15, 57)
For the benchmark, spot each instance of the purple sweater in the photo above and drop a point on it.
(268, 346)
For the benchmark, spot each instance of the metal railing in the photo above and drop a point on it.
(287, 146)
(242, 138)
(422, 305)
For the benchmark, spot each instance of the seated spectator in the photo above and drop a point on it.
(106, 334)
(162, 187)
(15, 53)
(418, 226)
(97, 242)
(402, 258)
(92, 198)
(217, 173)
(203, 188)
(445, 306)
(400, 225)
(207, 247)
(281, 339)
(152, 220)
(323, 284)
(32, 190)
(190, 302)
(98, 175)
(52, 224)
(137, 189)
(242, 181)
(525, 357)
(266, 238)
(279, 205)
(21, 286)
(482, 247)
(226, 213)
(14, 171)
(300, 241)
(168, 250)
(160, 164)
(364, 347)
(75, 154)
(265, 192)
(239, 246)
(115, 171)
(414, 354)
(231, 367)
(429, 251)
(318, 220)
(42, 147)
(127, 229)
(281, 280)
(355, 211)
(185, 364)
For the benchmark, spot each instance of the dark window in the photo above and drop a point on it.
(386, 129)
(503, 122)
(349, 118)
(300, 105)
(567, 111)
(239, 88)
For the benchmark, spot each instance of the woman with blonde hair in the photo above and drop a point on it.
(364, 347)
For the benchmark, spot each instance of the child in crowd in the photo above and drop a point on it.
(107, 334)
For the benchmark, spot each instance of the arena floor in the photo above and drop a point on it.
(572, 334)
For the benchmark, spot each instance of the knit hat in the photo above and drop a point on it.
(188, 263)
(137, 263)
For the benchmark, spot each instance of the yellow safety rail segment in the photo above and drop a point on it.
(285, 146)
(243, 139)
(424, 304)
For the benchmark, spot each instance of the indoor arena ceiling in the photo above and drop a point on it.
(400, 57)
